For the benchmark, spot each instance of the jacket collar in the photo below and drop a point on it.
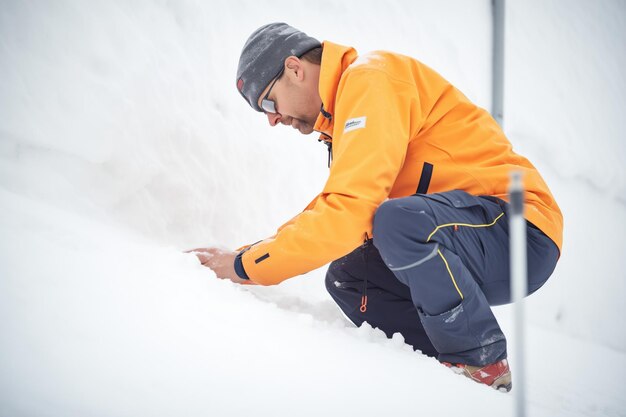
(335, 59)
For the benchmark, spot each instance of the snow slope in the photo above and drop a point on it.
(101, 322)
(123, 142)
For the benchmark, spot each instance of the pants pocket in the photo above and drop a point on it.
(459, 199)
(356, 286)
(455, 198)
(449, 332)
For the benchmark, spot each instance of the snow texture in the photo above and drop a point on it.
(123, 141)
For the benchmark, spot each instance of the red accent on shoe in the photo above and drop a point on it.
(489, 373)
(497, 375)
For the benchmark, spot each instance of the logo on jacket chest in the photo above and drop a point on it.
(355, 123)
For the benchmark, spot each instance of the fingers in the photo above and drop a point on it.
(205, 259)
(220, 261)
(211, 251)
(204, 255)
(199, 250)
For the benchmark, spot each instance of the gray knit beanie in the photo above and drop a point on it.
(263, 57)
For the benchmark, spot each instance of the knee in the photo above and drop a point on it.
(397, 217)
(386, 219)
(333, 277)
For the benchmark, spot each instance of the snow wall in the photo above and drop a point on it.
(126, 113)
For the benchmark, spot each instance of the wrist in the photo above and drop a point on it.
(239, 269)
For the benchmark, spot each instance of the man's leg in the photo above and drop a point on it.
(446, 248)
(389, 306)
(542, 255)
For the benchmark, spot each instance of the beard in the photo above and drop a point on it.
(303, 122)
(303, 127)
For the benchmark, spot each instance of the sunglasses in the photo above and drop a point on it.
(269, 106)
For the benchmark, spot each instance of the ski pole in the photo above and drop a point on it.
(519, 286)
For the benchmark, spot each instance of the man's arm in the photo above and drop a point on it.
(367, 159)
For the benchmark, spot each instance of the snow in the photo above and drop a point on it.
(364, 59)
(565, 97)
(123, 142)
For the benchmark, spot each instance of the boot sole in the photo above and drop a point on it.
(502, 384)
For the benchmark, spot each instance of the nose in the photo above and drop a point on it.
(273, 118)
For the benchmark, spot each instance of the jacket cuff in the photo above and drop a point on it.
(241, 272)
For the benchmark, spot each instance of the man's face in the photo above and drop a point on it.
(295, 96)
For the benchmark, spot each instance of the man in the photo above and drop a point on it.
(414, 212)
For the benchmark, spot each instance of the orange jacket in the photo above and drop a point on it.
(389, 117)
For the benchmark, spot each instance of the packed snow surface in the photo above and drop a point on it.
(123, 142)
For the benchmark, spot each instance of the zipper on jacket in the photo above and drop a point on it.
(330, 152)
(363, 307)
(327, 138)
(328, 141)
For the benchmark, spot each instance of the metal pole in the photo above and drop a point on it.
(519, 287)
(497, 90)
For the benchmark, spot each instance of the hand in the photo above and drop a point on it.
(220, 261)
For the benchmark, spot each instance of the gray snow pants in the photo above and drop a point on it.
(437, 263)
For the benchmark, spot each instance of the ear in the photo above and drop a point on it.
(294, 67)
